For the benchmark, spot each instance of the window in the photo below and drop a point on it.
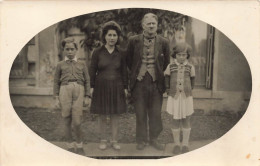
(24, 66)
(201, 36)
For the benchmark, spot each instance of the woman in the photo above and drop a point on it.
(108, 80)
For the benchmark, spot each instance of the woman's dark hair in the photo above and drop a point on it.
(182, 47)
(111, 25)
(68, 40)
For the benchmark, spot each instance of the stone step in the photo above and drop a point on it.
(130, 151)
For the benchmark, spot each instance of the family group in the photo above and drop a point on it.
(146, 69)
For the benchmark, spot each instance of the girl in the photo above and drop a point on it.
(180, 77)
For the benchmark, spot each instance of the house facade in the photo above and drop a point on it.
(223, 77)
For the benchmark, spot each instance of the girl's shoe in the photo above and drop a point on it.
(103, 144)
(176, 149)
(115, 145)
(184, 149)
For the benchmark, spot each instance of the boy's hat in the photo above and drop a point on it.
(182, 47)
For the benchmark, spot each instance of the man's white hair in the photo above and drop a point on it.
(150, 15)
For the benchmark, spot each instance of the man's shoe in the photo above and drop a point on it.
(140, 146)
(185, 149)
(176, 149)
(156, 145)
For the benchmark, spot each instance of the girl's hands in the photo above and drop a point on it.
(91, 91)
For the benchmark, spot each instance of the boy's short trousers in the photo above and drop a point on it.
(71, 99)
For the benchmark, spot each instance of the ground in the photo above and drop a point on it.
(46, 123)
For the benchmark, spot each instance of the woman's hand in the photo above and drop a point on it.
(126, 93)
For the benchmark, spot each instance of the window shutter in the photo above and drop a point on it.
(210, 53)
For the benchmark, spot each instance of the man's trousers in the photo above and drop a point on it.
(147, 104)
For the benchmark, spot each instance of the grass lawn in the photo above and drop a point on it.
(46, 123)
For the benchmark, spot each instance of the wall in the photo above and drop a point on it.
(48, 56)
(232, 80)
(233, 72)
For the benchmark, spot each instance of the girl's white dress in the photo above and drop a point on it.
(180, 106)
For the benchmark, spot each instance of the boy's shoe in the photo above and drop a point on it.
(71, 146)
(103, 144)
(80, 151)
(156, 145)
(176, 149)
(115, 145)
(140, 146)
(184, 149)
(79, 148)
(72, 150)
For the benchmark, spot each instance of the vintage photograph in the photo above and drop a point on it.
(130, 83)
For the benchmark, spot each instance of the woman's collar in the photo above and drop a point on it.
(115, 49)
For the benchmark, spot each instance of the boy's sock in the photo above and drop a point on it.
(176, 136)
(80, 149)
(79, 145)
(186, 136)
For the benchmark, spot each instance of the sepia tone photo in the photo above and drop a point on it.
(130, 83)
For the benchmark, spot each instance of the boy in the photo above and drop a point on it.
(71, 87)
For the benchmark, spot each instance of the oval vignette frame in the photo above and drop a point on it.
(221, 79)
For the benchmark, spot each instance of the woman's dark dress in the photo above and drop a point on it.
(108, 77)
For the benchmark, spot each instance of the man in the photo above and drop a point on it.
(147, 57)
